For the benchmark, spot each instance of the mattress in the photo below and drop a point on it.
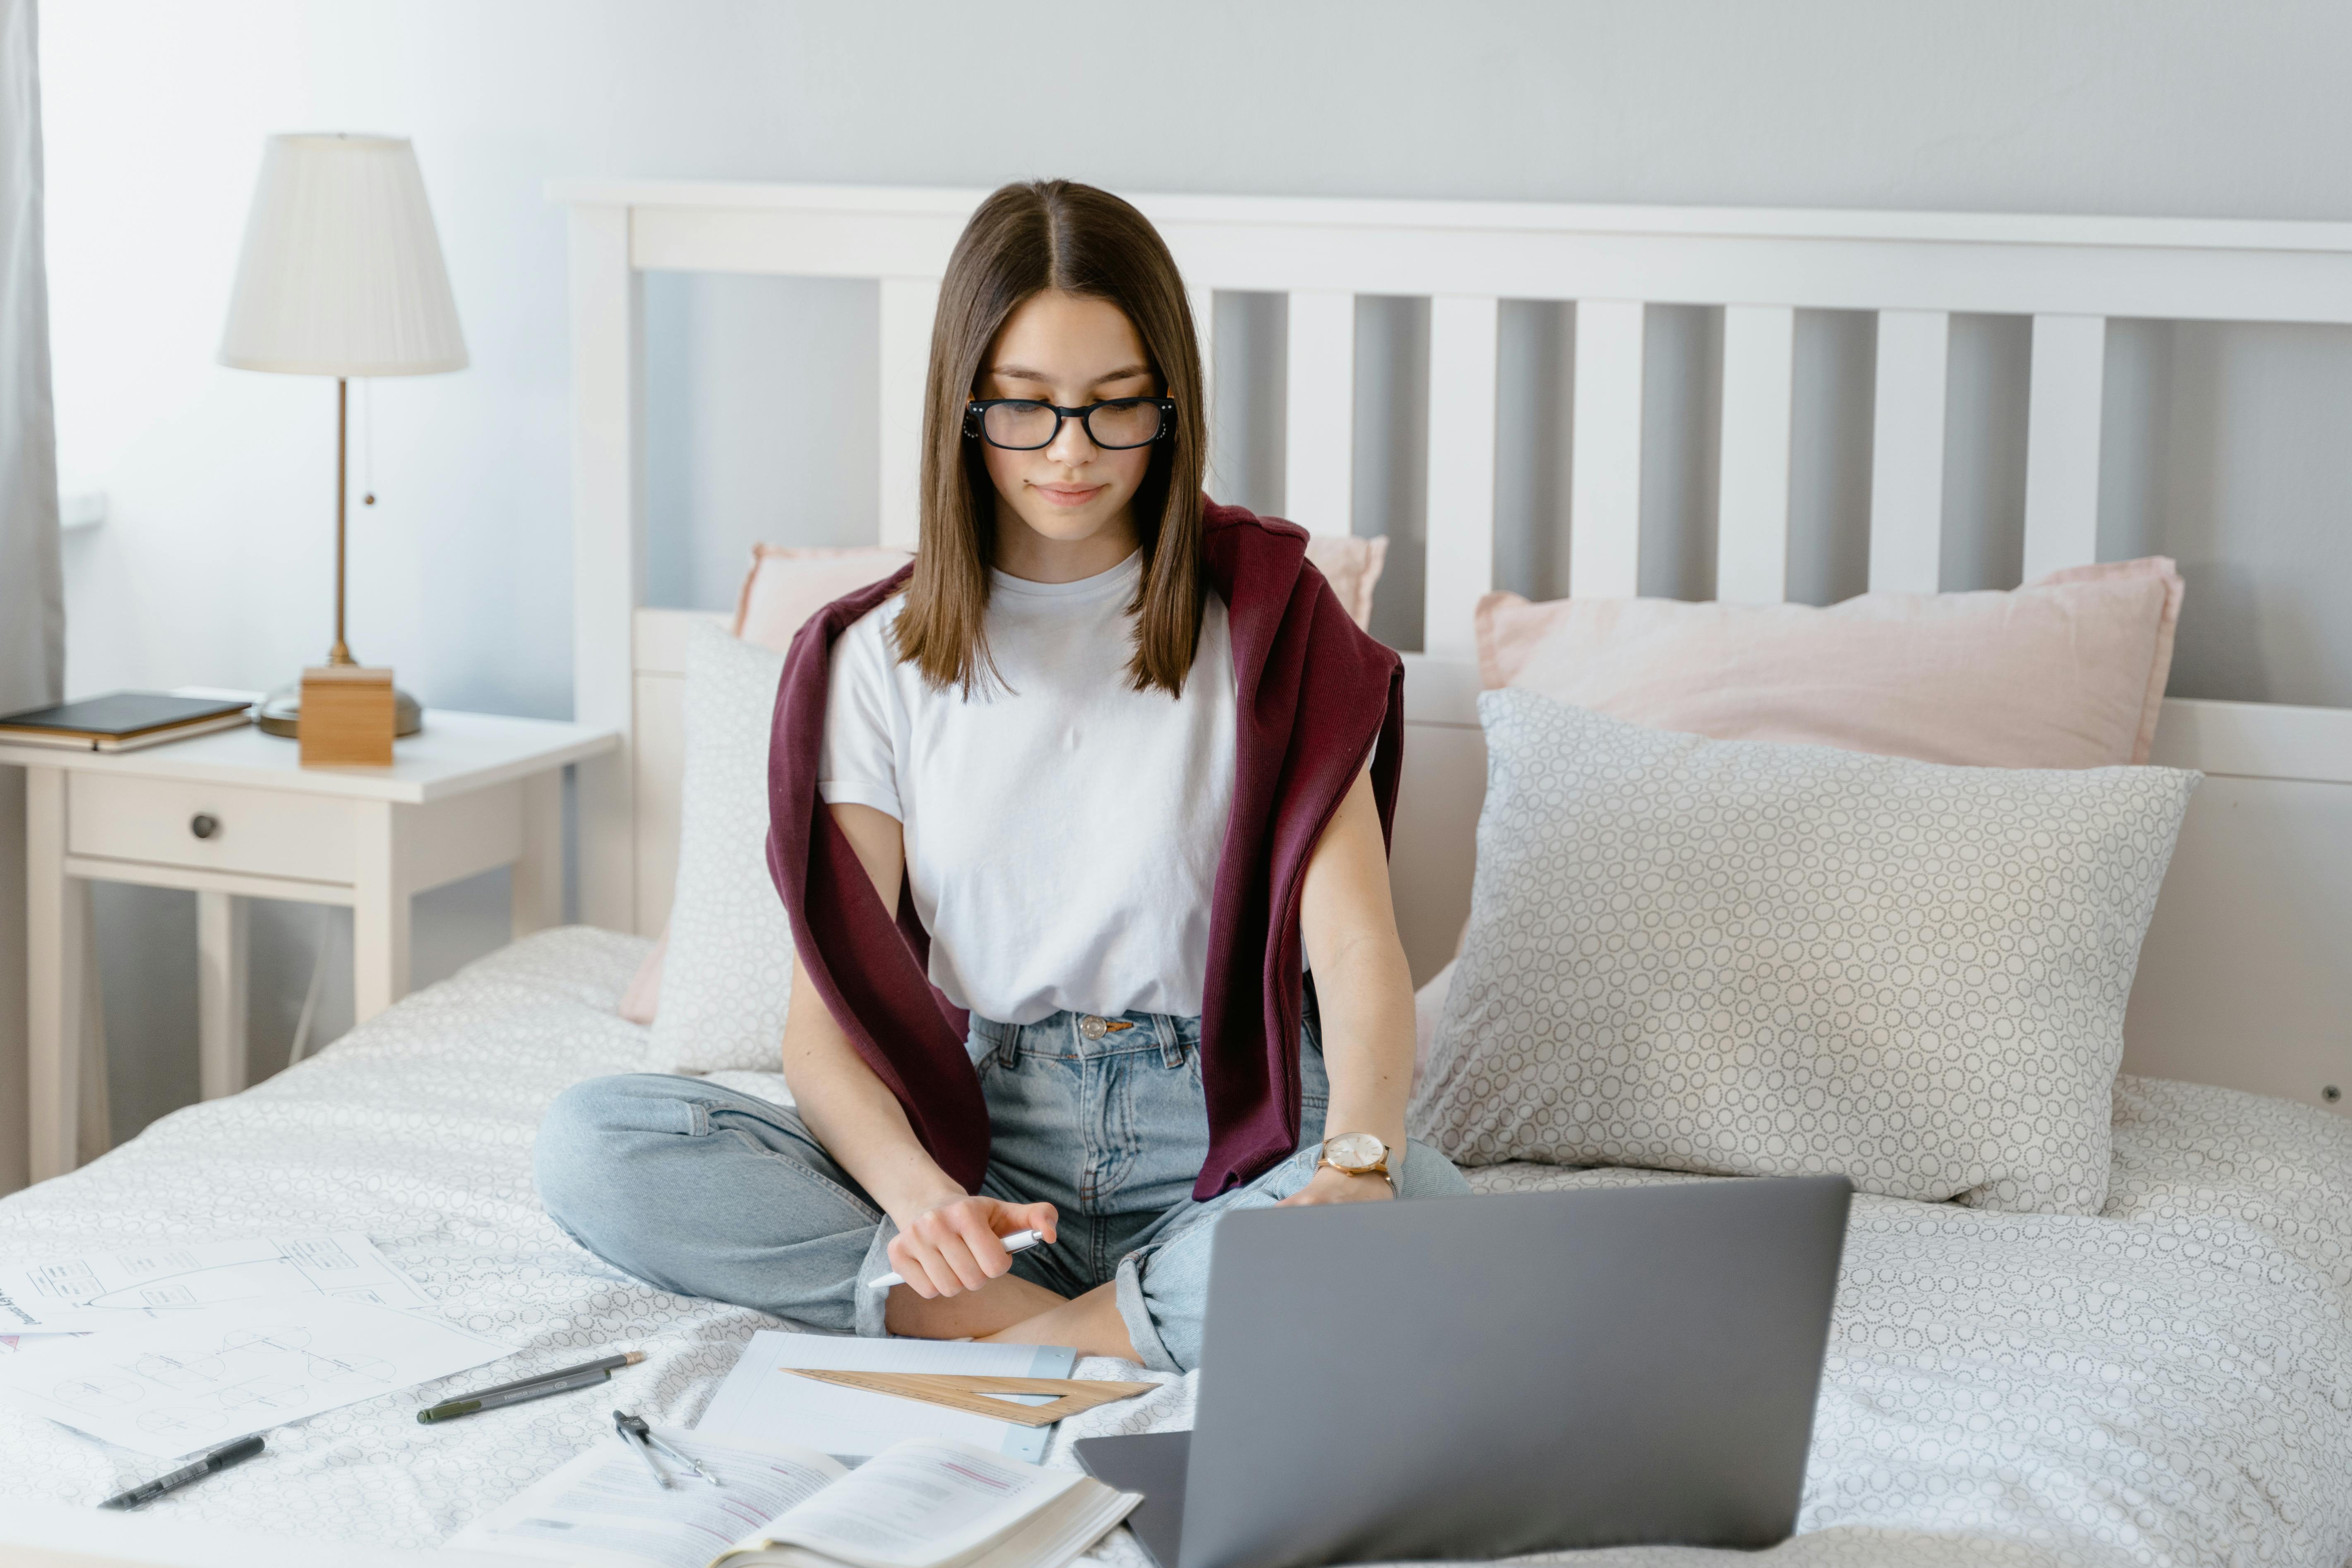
(2168, 1382)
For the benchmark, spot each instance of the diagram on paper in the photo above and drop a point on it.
(247, 1375)
(99, 1290)
(186, 1381)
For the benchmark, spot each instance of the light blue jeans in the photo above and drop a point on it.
(705, 1192)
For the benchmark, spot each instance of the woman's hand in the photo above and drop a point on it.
(951, 1246)
(1332, 1185)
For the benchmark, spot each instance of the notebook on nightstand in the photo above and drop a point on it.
(121, 720)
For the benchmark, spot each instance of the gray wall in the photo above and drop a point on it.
(2224, 446)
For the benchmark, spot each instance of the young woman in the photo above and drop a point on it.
(1060, 814)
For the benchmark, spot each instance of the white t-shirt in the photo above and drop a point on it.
(1062, 837)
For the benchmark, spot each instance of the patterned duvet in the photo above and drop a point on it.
(2168, 1383)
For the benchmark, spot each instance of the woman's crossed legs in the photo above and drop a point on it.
(700, 1190)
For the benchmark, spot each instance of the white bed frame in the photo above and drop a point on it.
(2246, 979)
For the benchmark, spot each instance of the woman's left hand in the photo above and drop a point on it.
(1329, 1186)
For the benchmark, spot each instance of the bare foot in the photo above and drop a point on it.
(1004, 1301)
(1089, 1323)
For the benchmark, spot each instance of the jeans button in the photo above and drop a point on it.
(1092, 1028)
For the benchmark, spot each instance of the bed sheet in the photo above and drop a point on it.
(2168, 1383)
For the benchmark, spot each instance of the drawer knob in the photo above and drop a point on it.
(204, 824)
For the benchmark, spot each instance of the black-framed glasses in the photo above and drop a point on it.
(1025, 425)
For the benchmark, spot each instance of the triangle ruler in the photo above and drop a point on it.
(960, 1391)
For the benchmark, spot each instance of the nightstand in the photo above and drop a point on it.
(234, 815)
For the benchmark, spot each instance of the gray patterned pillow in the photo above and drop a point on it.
(1771, 960)
(729, 973)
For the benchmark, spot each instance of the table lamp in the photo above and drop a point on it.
(342, 276)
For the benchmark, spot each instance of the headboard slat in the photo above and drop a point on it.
(2062, 443)
(1320, 412)
(1907, 453)
(1604, 504)
(908, 304)
(1751, 556)
(1461, 473)
(608, 545)
(1204, 328)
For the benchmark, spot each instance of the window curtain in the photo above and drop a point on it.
(32, 592)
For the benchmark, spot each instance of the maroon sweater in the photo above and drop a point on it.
(1313, 693)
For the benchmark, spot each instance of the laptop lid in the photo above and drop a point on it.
(1475, 1378)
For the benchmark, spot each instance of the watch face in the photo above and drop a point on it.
(1355, 1151)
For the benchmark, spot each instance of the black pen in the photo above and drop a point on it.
(562, 1380)
(237, 1453)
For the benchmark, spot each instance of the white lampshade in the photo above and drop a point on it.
(342, 273)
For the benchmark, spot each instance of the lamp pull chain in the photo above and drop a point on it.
(367, 442)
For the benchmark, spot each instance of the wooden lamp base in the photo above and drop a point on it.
(348, 717)
(280, 712)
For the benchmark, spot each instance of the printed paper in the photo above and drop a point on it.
(197, 1379)
(71, 1293)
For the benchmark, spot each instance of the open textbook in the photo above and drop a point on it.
(922, 1503)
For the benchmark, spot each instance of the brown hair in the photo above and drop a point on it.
(1024, 239)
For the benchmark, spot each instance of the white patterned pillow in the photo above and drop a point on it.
(729, 973)
(1751, 959)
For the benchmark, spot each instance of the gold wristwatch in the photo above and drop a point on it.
(1358, 1154)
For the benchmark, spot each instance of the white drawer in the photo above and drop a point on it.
(259, 832)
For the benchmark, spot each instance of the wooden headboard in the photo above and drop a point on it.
(2246, 978)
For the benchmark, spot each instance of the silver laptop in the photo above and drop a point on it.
(1482, 1377)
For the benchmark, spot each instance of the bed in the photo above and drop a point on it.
(2167, 1381)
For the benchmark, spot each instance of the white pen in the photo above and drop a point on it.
(1019, 1241)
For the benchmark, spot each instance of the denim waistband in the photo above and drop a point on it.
(1073, 1037)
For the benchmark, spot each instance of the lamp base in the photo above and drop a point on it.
(282, 712)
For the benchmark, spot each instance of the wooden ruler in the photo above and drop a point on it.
(958, 1392)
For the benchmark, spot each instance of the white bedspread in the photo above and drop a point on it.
(2170, 1382)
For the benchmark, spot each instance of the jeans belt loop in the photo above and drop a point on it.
(1171, 1039)
(1008, 1051)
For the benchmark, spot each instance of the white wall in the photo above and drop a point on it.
(2222, 445)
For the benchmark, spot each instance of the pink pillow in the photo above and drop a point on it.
(642, 1000)
(790, 582)
(2067, 672)
(786, 585)
(1352, 567)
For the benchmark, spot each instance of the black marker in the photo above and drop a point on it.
(237, 1453)
(538, 1385)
